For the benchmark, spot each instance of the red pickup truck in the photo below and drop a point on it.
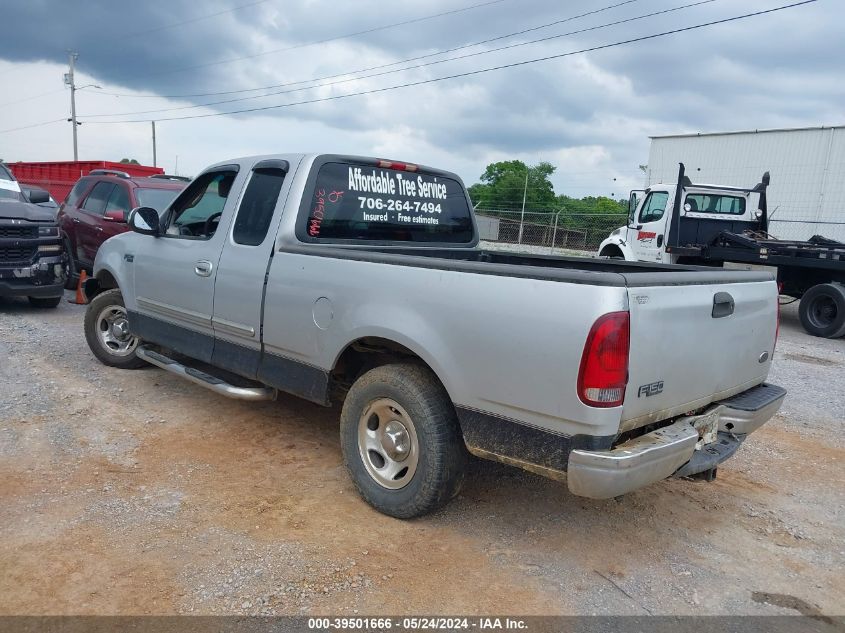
(97, 207)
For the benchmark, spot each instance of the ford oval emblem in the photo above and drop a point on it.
(763, 357)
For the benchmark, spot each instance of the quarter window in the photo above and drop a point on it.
(95, 203)
(257, 206)
(654, 207)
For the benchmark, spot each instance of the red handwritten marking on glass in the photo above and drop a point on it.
(318, 213)
(335, 196)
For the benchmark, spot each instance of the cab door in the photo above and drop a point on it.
(175, 273)
(247, 251)
(649, 232)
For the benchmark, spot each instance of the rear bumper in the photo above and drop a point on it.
(670, 450)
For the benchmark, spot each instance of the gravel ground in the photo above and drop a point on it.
(133, 493)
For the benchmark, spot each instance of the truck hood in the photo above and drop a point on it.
(16, 210)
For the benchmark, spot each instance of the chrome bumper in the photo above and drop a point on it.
(659, 454)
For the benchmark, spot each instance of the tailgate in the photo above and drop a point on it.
(695, 344)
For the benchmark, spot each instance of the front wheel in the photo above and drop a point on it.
(401, 441)
(822, 310)
(107, 332)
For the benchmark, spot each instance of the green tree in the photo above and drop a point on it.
(129, 161)
(503, 184)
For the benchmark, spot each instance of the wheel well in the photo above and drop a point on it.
(106, 280)
(612, 250)
(364, 354)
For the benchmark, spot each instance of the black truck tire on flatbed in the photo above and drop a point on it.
(822, 310)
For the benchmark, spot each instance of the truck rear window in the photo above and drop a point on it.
(715, 203)
(363, 202)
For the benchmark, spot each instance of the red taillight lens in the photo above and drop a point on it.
(604, 364)
(392, 164)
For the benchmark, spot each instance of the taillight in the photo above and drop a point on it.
(604, 363)
(777, 326)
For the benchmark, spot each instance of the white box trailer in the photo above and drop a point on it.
(807, 166)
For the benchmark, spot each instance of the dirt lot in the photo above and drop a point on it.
(133, 493)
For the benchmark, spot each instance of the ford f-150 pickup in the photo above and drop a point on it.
(358, 281)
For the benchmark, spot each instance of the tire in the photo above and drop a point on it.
(422, 438)
(72, 267)
(822, 310)
(44, 302)
(106, 333)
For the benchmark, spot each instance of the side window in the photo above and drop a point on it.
(95, 203)
(196, 213)
(118, 200)
(654, 207)
(77, 191)
(257, 206)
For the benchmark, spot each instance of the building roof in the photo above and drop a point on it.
(786, 129)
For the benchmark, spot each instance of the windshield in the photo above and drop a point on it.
(158, 199)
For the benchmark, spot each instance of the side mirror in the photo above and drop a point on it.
(116, 215)
(144, 220)
(38, 196)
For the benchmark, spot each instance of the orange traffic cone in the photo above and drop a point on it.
(80, 294)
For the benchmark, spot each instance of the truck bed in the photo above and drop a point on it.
(601, 272)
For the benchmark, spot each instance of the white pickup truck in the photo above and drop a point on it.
(358, 281)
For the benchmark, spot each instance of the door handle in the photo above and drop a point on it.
(203, 268)
(75, 220)
(723, 305)
(659, 241)
(98, 228)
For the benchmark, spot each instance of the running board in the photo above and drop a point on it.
(203, 379)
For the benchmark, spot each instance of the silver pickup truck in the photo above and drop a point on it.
(358, 281)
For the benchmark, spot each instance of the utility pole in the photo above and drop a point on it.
(69, 80)
(155, 164)
(522, 218)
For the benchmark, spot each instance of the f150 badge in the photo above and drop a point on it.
(651, 389)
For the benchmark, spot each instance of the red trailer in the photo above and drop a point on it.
(59, 177)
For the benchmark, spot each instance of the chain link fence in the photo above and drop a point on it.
(546, 232)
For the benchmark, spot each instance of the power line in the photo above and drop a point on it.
(326, 40)
(196, 19)
(380, 66)
(417, 66)
(475, 72)
(26, 127)
(38, 96)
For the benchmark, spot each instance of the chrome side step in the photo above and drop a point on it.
(203, 379)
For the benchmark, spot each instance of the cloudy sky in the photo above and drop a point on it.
(588, 113)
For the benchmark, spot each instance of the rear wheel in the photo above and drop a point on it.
(44, 302)
(107, 332)
(822, 310)
(401, 441)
